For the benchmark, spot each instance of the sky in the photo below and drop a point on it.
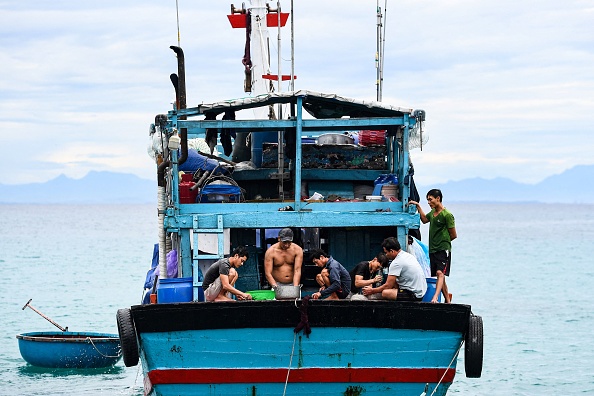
(508, 86)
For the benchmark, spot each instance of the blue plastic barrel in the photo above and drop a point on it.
(174, 290)
(258, 139)
(431, 286)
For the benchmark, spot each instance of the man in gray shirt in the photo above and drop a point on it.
(220, 278)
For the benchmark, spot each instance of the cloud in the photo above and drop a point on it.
(508, 86)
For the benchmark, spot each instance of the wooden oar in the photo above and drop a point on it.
(43, 316)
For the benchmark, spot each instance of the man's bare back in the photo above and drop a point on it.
(282, 263)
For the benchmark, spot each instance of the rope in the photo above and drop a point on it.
(99, 352)
(290, 363)
(135, 379)
(303, 325)
(446, 370)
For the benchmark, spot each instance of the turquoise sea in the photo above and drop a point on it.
(527, 269)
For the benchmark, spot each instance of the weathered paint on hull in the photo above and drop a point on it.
(313, 389)
(249, 348)
(257, 361)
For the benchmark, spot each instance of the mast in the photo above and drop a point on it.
(379, 54)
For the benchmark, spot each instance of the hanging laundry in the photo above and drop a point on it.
(211, 133)
(227, 133)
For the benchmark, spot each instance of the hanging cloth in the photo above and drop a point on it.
(211, 133)
(227, 133)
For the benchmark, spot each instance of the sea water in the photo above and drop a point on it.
(527, 269)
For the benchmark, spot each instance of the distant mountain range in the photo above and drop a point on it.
(575, 185)
(95, 187)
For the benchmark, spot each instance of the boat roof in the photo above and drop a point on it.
(319, 105)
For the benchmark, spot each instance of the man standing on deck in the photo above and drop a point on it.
(442, 231)
(335, 280)
(406, 279)
(283, 260)
(220, 277)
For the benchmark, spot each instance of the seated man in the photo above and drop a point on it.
(221, 276)
(406, 280)
(366, 273)
(334, 279)
(283, 260)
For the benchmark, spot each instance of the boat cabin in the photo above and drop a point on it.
(335, 170)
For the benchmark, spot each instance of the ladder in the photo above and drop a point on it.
(197, 276)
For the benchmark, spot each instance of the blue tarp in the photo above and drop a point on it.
(209, 193)
(197, 161)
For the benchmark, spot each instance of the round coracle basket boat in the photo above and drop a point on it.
(65, 349)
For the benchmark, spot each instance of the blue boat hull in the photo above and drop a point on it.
(69, 349)
(370, 348)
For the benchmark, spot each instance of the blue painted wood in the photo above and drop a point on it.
(326, 347)
(327, 218)
(316, 389)
(56, 349)
(313, 127)
(277, 348)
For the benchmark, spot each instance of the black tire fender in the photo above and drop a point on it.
(473, 347)
(127, 333)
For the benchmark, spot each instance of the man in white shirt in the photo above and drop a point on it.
(406, 279)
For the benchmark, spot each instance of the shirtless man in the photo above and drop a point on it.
(282, 261)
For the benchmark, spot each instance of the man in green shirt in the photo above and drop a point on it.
(442, 231)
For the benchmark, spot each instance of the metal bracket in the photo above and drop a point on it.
(276, 176)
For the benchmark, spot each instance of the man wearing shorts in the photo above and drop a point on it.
(220, 277)
(442, 231)
(406, 279)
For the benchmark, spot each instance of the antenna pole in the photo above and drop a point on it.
(383, 46)
(292, 50)
(378, 53)
(281, 150)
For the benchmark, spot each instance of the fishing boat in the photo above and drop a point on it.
(294, 174)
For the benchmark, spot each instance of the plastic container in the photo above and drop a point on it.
(431, 286)
(369, 138)
(186, 194)
(258, 140)
(389, 191)
(261, 294)
(174, 290)
(384, 179)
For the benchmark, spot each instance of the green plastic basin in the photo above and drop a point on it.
(262, 294)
